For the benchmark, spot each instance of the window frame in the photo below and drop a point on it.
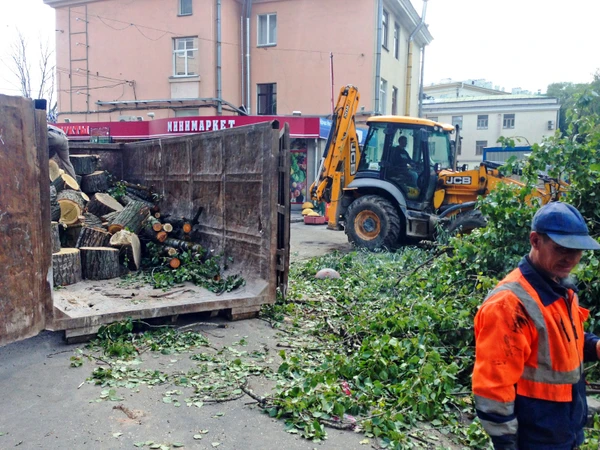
(454, 121)
(479, 146)
(269, 43)
(483, 121)
(396, 40)
(508, 121)
(272, 110)
(180, 8)
(385, 18)
(383, 85)
(185, 52)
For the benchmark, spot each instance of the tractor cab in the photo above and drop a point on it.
(407, 153)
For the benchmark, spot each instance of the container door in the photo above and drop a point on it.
(283, 211)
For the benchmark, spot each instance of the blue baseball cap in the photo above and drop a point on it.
(564, 225)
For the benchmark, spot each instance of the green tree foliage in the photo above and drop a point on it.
(392, 340)
(569, 94)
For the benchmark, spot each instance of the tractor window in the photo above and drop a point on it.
(439, 149)
(373, 149)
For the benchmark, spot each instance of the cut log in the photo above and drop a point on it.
(54, 206)
(131, 249)
(143, 195)
(100, 263)
(131, 218)
(70, 235)
(102, 204)
(84, 164)
(71, 206)
(95, 182)
(66, 267)
(153, 223)
(125, 199)
(174, 263)
(54, 170)
(55, 236)
(91, 221)
(184, 246)
(167, 227)
(161, 236)
(187, 228)
(108, 217)
(65, 181)
(170, 251)
(93, 237)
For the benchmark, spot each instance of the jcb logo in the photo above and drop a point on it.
(458, 180)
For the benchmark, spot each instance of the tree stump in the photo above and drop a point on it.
(131, 217)
(54, 206)
(93, 237)
(102, 204)
(94, 182)
(100, 263)
(131, 249)
(71, 206)
(84, 164)
(55, 237)
(66, 267)
(91, 221)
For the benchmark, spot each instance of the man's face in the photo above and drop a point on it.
(402, 142)
(552, 258)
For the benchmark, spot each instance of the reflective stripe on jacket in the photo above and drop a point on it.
(529, 360)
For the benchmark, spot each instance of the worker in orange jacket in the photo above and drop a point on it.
(530, 344)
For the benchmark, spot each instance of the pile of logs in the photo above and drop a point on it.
(98, 236)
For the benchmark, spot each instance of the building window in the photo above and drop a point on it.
(185, 7)
(384, 29)
(457, 120)
(394, 101)
(185, 56)
(479, 146)
(509, 121)
(267, 29)
(396, 41)
(267, 99)
(382, 96)
(482, 122)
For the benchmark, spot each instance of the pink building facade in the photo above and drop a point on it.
(156, 60)
(126, 60)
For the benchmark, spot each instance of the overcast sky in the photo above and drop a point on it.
(512, 43)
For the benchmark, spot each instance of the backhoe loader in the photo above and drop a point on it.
(403, 181)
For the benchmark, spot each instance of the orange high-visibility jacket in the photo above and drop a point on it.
(524, 348)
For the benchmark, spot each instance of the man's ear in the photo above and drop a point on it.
(535, 239)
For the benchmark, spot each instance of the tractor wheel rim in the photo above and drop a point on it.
(367, 225)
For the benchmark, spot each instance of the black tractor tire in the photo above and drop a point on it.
(372, 222)
(466, 222)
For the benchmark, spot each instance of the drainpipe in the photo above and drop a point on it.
(219, 80)
(242, 82)
(421, 82)
(248, 85)
(378, 54)
(409, 60)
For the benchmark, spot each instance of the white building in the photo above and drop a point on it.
(485, 114)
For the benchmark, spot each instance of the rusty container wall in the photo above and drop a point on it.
(110, 156)
(25, 258)
(233, 176)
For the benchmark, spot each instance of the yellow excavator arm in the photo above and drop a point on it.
(341, 156)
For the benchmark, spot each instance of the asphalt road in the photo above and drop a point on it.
(46, 404)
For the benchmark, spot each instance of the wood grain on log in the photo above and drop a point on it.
(91, 221)
(95, 182)
(100, 263)
(93, 237)
(66, 267)
(130, 247)
(55, 236)
(84, 164)
(71, 206)
(102, 204)
(168, 227)
(70, 235)
(161, 236)
(54, 170)
(131, 218)
(174, 263)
